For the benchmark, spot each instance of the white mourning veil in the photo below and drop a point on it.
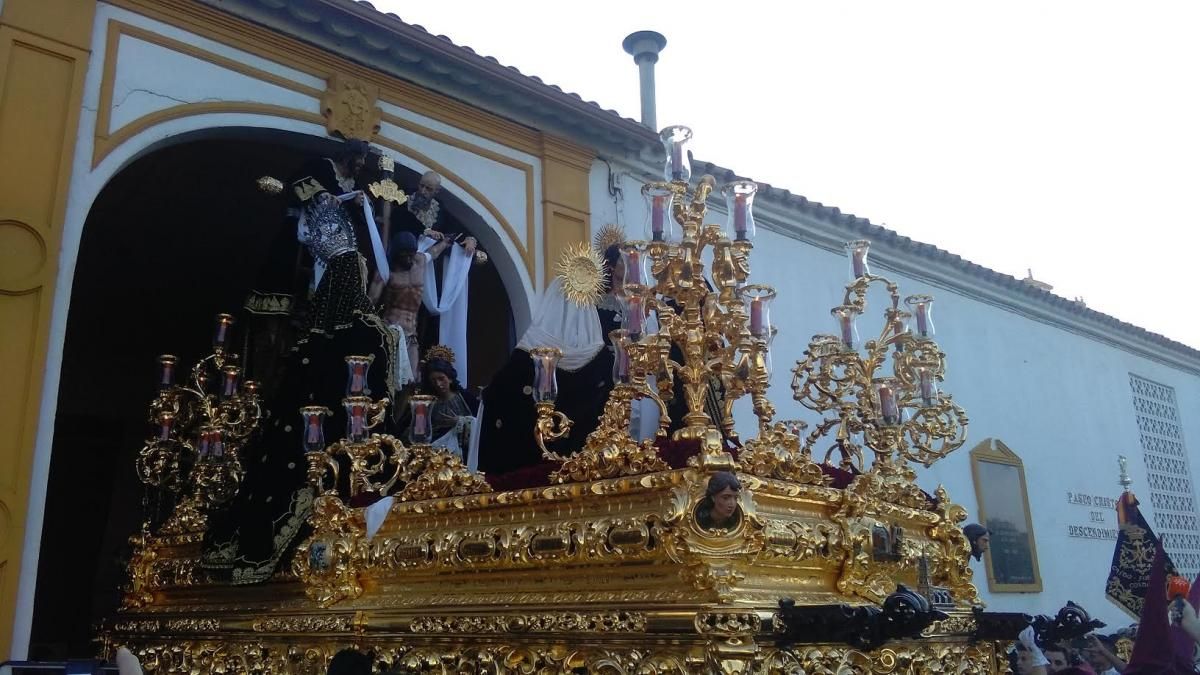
(561, 323)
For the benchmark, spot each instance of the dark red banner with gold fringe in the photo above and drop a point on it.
(1134, 556)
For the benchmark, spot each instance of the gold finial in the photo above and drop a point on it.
(387, 189)
(270, 185)
(1124, 479)
(607, 236)
(439, 352)
(582, 272)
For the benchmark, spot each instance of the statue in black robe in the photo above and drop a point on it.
(267, 517)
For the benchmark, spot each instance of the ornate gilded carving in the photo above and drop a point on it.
(544, 622)
(303, 624)
(330, 560)
(349, 108)
(728, 623)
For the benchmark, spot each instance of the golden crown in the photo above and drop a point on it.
(439, 352)
(607, 236)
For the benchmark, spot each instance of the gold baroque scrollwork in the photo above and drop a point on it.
(350, 108)
(303, 624)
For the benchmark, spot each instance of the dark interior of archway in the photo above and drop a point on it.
(172, 240)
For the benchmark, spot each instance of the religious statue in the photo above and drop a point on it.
(249, 539)
(420, 214)
(578, 321)
(400, 296)
(453, 415)
(718, 510)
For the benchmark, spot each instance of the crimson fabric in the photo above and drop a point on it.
(1153, 653)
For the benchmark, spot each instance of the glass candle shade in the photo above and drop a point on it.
(166, 422)
(357, 410)
(660, 223)
(313, 420)
(921, 307)
(758, 308)
(674, 140)
(887, 401)
(847, 329)
(545, 363)
(357, 368)
(166, 371)
(422, 418)
(856, 252)
(622, 366)
(900, 328)
(221, 333)
(229, 381)
(635, 312)
(216, 445)
(739, 202)
(927, 386)
(204, 442)
(635, 264)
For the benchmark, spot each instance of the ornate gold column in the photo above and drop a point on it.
(44, 48)
(566, 211)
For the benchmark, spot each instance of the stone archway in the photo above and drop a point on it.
(172, 238)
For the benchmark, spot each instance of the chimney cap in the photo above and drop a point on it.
(644, 44)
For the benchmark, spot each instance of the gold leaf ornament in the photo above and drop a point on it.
(582, 272)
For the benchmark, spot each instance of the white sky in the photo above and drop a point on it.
(1060, 136)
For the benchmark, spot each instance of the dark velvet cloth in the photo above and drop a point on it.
(506, 441)
(262, 525)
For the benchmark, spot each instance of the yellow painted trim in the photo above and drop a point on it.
(106, 139)
(288, 51)
(34, 211)
(996, 452)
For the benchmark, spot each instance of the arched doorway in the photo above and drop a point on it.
(173, 238)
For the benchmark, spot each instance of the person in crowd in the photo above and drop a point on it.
(718, 510)
(1101, 655)
(349, 662)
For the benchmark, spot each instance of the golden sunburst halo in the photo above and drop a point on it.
(607, 236)
(582, 272)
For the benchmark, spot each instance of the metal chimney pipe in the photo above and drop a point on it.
(644, 46)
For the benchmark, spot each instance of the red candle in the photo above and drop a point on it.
(312, 436)
(218, 445)
(658, 215)
(202, 445)
(623, 365)
(676, 161)
(357, 378)
(165, 422)
(859, 261)
(633, 261)
(636, 314)
(224, 321)
(922, 312)
(887, 405)
(927, 391)
(166, 378)
(419, 419)
(356, 421)
(740, 212)
(846, 320)
(229, 386)
(756, 317)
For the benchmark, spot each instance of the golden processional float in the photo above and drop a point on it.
(831, 564)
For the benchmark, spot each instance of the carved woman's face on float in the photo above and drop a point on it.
(725, 504)
(440, 382)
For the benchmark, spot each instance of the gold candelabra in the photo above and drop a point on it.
(200, 427)
(901, 414)
(715, 338)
